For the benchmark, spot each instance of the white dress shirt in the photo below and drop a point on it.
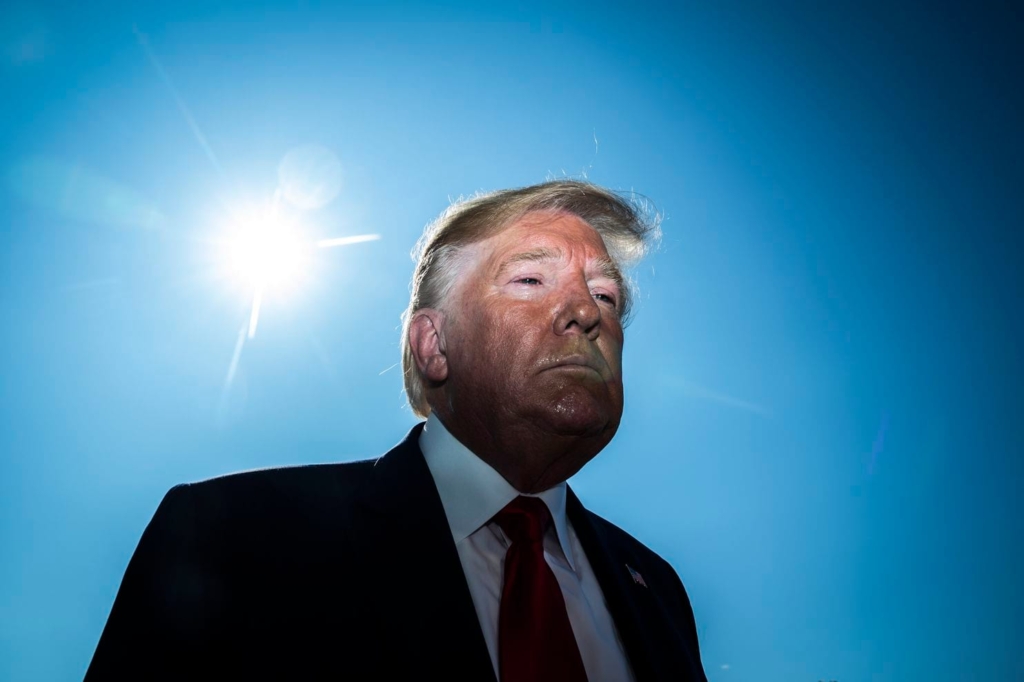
(472, 493)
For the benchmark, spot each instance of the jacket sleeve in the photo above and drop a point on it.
(168, 607)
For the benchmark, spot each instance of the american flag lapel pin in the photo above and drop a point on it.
(637, 578)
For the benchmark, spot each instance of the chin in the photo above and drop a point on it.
(580, 415)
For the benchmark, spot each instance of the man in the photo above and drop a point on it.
(461, 553)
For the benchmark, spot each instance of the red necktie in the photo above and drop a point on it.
(535, 639)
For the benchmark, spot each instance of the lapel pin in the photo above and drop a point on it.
(637, 578)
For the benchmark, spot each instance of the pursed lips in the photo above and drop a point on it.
(573, 361)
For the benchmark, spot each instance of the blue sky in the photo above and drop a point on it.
(822, 430)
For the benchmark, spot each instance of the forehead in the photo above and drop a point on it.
(564, 233)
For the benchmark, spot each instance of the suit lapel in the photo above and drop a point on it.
(641, 621)
(404, 537)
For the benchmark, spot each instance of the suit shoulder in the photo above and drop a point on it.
(305, 477)
(626, 541)
(643, 555)
(268, 493)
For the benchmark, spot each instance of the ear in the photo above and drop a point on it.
(427, 344)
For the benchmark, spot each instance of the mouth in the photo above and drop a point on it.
(573, 362)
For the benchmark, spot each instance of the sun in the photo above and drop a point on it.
(267, 252)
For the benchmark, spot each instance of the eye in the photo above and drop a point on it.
(528, 280)
(605, 297)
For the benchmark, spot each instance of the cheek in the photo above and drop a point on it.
(516, 338)
(612, 350)
(499, 344)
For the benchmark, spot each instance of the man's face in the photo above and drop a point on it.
(535, 339)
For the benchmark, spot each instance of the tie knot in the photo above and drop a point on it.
(524, 519)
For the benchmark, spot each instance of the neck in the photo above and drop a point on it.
(530, 459)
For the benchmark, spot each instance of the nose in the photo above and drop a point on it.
(578, 313)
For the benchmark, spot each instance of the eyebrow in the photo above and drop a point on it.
(604, 266)
(534, 256)
(607, 268)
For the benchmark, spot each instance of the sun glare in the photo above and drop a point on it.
(267, 253)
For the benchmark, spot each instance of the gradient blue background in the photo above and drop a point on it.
(823, 425)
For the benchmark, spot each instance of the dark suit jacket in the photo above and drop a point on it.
(346, 571)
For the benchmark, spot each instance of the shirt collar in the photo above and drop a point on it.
(472, 492)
